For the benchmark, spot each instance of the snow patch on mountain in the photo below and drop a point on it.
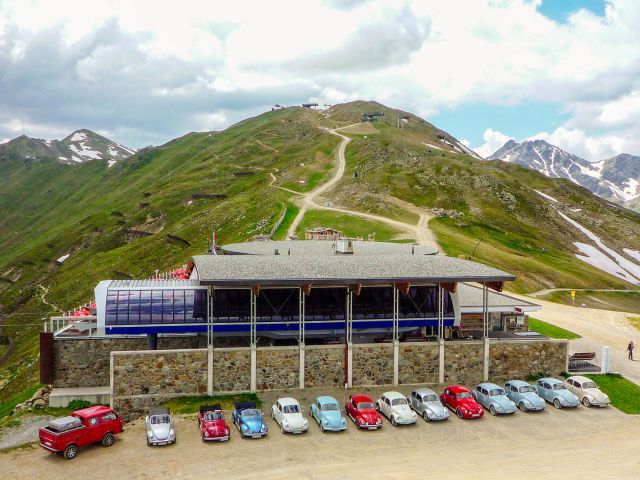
(548, 197)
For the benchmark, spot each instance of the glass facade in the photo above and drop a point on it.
(144, 307)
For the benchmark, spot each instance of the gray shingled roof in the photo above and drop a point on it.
(470, 298)
(152, 283)
(339, 269)
(325, 247)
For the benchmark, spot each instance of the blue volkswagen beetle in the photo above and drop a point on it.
(556, 392)
(524, 395)
(326, 411)
(249, 420)
(493, 398)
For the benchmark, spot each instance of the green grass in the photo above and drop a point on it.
(624, 394)
(550, 331)
(192, 404)
(289, 216)
(616, 301)
(7, 406)
(352, 226)
(634, 322)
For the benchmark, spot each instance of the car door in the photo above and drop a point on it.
(93, 432)
(351, 411)
(417, 402)
(446, 396)
(279, 413)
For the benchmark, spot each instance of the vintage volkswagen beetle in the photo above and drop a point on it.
(288, 414)
(361, 409)
(160, 430)
(212, 424)
(249, 420)
(326, 411)
(556, 392)
(426, 403)
(395, 407)
(459, 399)
(494, 398)
(524, 395)
(587, 391)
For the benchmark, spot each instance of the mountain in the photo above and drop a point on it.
(155, 209)
(80, 146)
(616, 179)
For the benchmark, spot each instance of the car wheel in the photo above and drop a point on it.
(459, 413)
(149, 443)
(377, 407)
(70, 452)
(557, 404)
(108, 440)
(393, 421)
(586, 402)
(425, 416)
(522, 407)
(202, 437)
(282, 429)
(492, 410)
(321, 427)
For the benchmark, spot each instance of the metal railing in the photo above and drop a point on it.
(72, 326)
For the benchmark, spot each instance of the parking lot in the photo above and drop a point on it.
(602, 443)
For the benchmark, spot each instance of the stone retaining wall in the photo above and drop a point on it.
(509, 360)
(84, 362)
(418, 362)
(372, 364)
(140, 380)
(231, 369)
(324, 366)
(463, 363)
(278, 368)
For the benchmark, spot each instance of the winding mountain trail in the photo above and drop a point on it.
(541, 293)
(419, 231)
(45, 290)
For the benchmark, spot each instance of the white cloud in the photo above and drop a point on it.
(591, 147)
(4, 140)
(493, 140)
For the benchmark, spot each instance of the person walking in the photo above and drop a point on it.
(630, 350)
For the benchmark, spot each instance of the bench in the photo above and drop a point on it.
(581, 359)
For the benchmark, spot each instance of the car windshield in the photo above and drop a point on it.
(291, 409)
(399, 401)
(251, 412)
(589, 385)
(526, 389)
(211, 416)
(330, 407)
(430, 398)
(158, 419)
(496, 392)
(559, 386)
(463, 395)
(365, 406)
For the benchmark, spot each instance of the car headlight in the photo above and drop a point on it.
(343, 421)
(264, 427)
(206, 433)
(151, 436)
(244, 428)
(172, 433)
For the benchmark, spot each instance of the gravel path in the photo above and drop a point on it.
(24, 433)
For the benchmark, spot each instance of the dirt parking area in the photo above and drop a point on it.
(572, 443)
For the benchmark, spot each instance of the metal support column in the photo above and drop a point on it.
(348, 339)
(440, 312)
(301, 339)
(485, 310)
(254, 366)
(396, 346)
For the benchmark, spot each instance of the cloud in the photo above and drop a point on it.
(591, 147)
(493, 140)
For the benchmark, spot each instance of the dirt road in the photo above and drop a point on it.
(420, 231)
(550, 444)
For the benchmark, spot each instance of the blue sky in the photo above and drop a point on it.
(567, 71)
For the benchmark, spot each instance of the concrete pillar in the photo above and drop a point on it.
(604, 367)
(485, 363)
(349, 365)
(301, 374)
(254, 368)
(210, 370)
(441, 362)
(396, 358)
(152, 341)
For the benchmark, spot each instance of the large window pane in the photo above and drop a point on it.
(145, 307)
(112, 308)
(167, 306)
(231, 305)
(123, 307)
(373, 303)
(326, 304)
(178, 306)
(156, 306)
(200, 306)
(278, 305)
(134, 307)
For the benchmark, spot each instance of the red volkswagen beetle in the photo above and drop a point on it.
(212, 424)
(460, 400)
(362, 411)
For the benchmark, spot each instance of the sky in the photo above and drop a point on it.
(143, 73)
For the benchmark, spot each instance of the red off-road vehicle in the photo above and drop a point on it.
(83, 427)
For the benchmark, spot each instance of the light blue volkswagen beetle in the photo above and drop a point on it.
(524, 395)
(555, 391)
(326, 411)
(493, 398)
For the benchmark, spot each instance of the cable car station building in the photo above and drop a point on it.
(294, 314)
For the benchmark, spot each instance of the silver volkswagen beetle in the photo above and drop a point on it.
(427, 403)
(160, 429)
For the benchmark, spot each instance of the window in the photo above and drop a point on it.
(145, 307)
(570, 382)
(108, 417)
(134, 307)
(123, 307)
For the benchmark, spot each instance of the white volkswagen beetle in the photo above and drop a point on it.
(395, 407)
(587, 391)
(288, 414)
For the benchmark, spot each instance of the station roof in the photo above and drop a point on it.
(470, 298)
(324, 247)
(152, 283)
(244, 270)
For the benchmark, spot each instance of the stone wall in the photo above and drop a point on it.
(324, 366)
(516, 359)
(84, 362)
(463, 363)
(231, 369)
(278, 368)
(372, 364)
(418, 362)
(140, 380)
